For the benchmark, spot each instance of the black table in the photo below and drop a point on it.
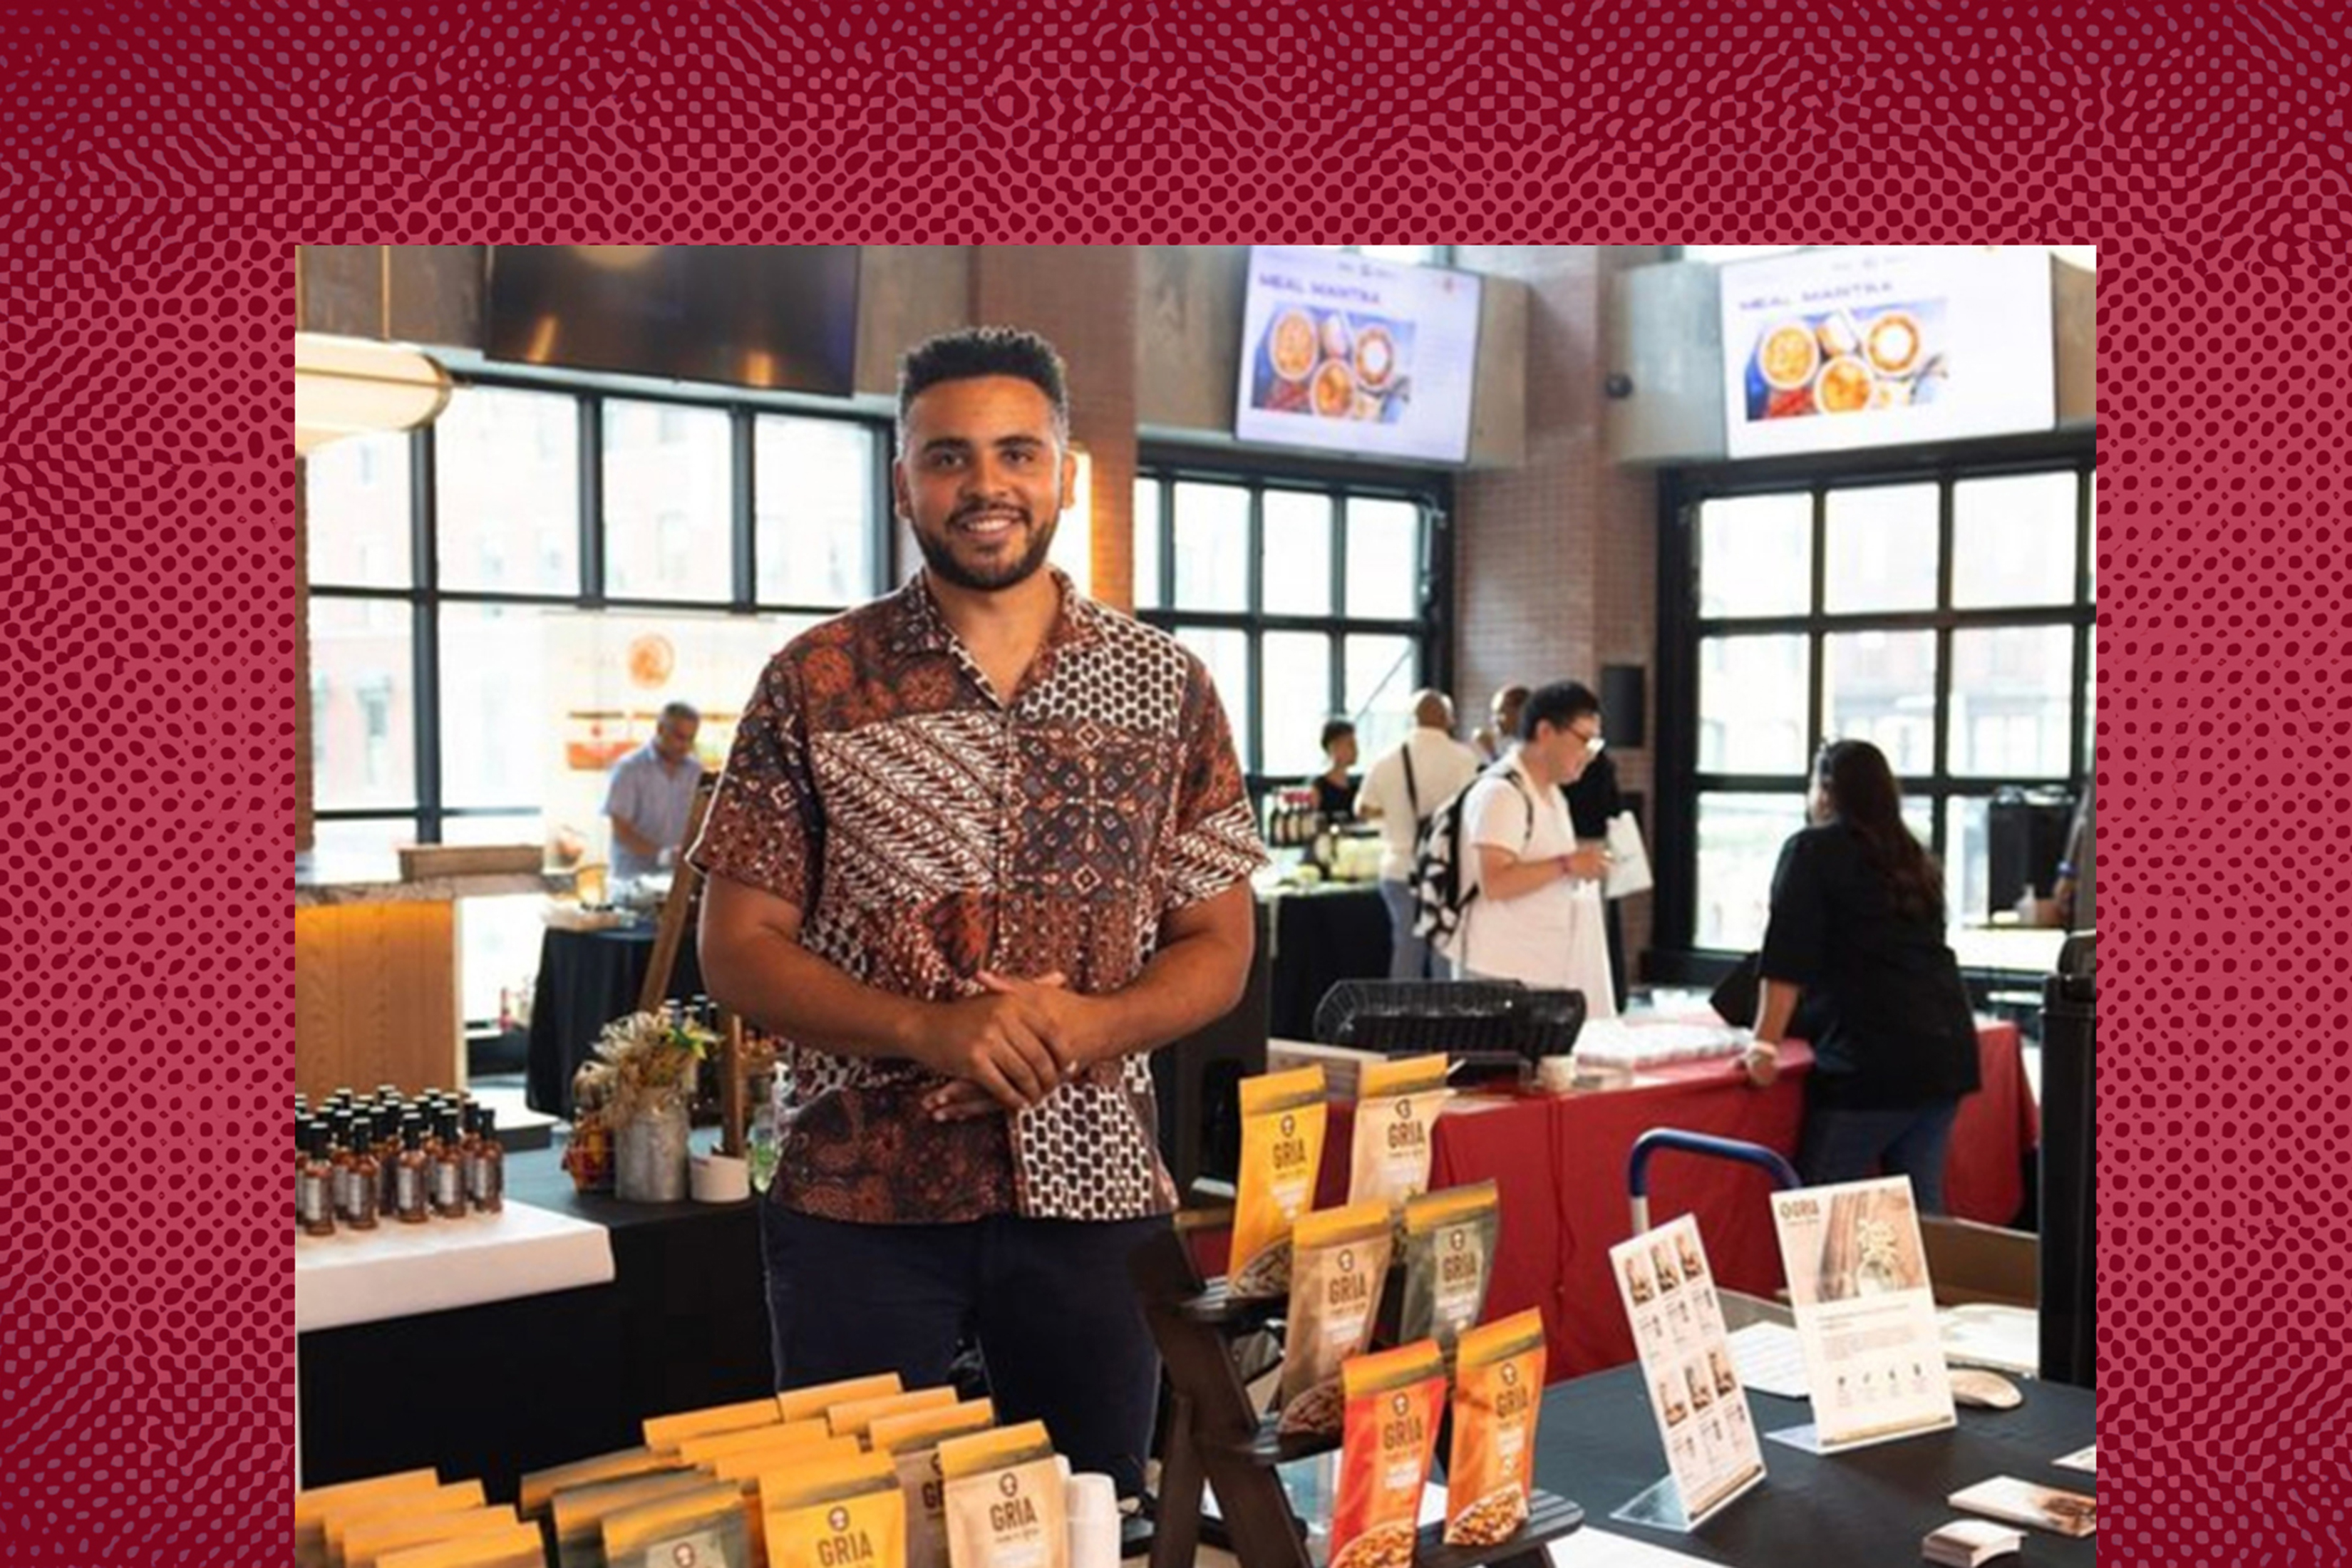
(587, 979)
(496, 1390)
(1321, 938)
(1598, 1445)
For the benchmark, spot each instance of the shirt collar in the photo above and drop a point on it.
(918, 625)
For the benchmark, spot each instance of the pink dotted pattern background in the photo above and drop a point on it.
(160, 163)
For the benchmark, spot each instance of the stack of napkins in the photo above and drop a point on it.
(1965, 1543)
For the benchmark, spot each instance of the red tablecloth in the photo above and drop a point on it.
(1559, 1163)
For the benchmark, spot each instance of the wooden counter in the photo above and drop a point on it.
(376, 996)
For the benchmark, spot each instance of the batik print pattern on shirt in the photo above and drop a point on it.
(929, 832)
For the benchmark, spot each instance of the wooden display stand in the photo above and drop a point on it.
(677, 914)
(1215, 1437)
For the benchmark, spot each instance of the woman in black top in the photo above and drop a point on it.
(1857, 927)
(1335, 786)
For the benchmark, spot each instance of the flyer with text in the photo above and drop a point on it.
(1668, 1292)
(1866, 1311)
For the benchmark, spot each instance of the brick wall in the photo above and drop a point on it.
(1555, 561)
(1083, 299)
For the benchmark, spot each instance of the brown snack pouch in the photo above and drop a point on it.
(1338, 1261)
(1449, 1261)
(912, 1443)
(1396, 1111)
(1005, 1505)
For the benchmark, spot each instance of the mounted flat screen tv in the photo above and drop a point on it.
(1347, 354)
(780, 317)
(1829, 351)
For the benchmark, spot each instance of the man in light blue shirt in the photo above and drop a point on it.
(651, 794)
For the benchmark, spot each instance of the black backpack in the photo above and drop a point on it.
(1439, 897)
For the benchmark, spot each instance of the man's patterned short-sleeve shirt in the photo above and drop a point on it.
(927, 831)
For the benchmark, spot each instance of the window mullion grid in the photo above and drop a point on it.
(592, 501)
(743, 524)
(1336, 647)
(424, 629)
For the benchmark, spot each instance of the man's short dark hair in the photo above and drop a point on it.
(1560, 704)
(681, 710)
(1334, 729)
(971, 352)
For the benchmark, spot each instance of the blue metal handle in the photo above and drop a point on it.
(1637, 1168)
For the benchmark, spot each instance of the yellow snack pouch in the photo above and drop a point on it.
(810, 1404)
(845, 1514)
(1282, 1118)
(852, 1417)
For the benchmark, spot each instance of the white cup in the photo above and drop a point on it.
(719, 1179)
(1094, 1520)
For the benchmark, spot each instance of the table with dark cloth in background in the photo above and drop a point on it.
(1320, 938)
(1597, 1444)
(1558, 1162)
(587, 979)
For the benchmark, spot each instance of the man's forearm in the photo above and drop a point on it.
(1192, 981)
(782, 987)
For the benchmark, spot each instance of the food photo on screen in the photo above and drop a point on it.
(1851, 360)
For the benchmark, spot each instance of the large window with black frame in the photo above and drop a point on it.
(1306, 598)
(501, 603)
(1945, 615)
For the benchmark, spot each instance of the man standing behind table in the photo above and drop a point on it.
(1405, 784)
(1536, 917)
(651, 794)
(981, 845)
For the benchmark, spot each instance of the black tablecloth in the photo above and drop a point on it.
(587, 979)
(1598, 1445)
(1321, 939)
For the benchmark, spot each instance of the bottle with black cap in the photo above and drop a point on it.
(412, 1175)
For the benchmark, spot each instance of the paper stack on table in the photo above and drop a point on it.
(1634, 1043)
(1966, 1542)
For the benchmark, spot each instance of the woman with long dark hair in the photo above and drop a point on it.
(1857, 930)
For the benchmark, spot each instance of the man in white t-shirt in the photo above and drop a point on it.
(1537, 918)
(1405, 784)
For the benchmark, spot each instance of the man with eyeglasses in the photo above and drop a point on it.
(1537, 916)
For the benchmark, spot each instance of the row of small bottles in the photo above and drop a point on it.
(359, 1162)
(1293, 820)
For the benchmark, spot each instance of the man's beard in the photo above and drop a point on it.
(939, 556)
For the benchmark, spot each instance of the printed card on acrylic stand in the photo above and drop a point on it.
(1865, 1313)
(1667, 1288)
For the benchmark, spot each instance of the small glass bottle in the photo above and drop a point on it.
(314, 1198)
(362, 1187)
(412, 1175)
(301, 1158)
(448, 1168)
(387, 1156)
(339, 1154)
(486, 1169)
